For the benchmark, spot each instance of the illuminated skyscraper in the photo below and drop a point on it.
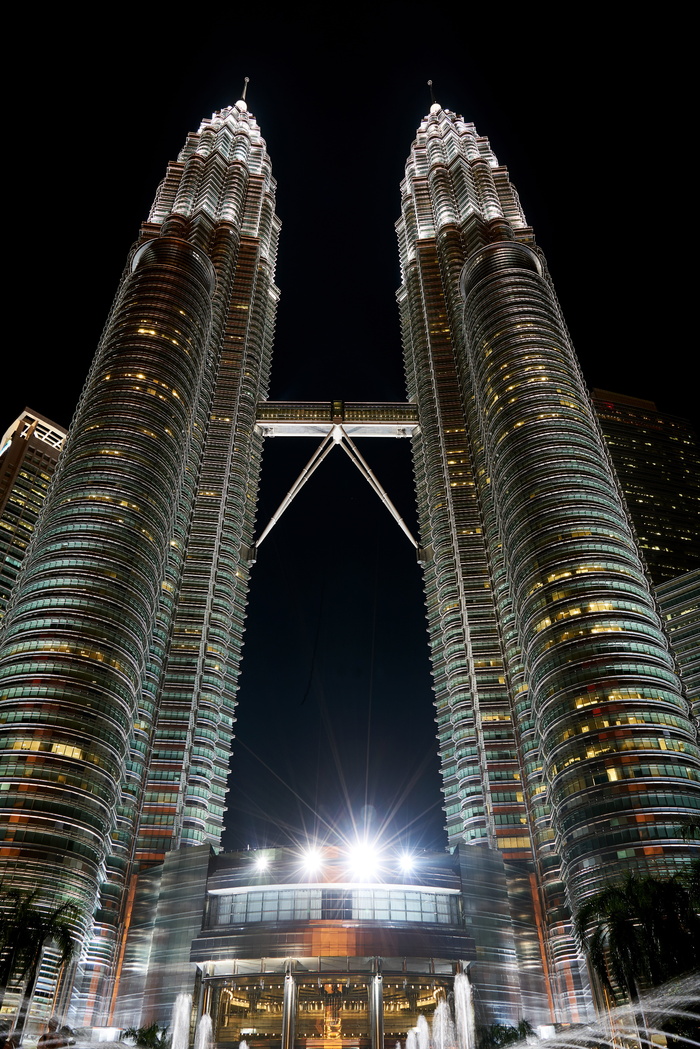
(121, 646)
(657, 460)
(562, 722)
(28, 456)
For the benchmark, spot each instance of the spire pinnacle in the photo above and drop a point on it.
(434, 106)
(241, 103)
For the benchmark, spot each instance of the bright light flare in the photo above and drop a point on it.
(363, 859)
(407, 862)
(311, 859)
(262, 863)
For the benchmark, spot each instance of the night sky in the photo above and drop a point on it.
(586, 109)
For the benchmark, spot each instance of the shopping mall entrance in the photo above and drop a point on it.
(339, 1007)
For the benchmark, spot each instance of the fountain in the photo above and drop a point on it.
(464, 1011)
(670, 1012)
(180, 1023)
(443, 1028)
(446, 1032)
(422, 1033)
(243, 1044)
(203, 1035)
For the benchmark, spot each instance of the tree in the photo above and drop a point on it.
(691, 880)
(25, 929)
(639, 933)
(16, 936)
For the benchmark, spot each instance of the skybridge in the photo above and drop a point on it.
(336, 423)
(317, 418)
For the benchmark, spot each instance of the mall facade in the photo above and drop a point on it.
(327, 947)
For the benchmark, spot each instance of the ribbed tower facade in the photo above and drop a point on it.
(565, 736)
(122, 640)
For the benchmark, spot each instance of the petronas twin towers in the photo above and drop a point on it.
(566, 741)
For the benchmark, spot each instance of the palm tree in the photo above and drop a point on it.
(16, 909)
(25, 930)
(151, 1037)
(639, 933)
(691, 880)
(496, 1035)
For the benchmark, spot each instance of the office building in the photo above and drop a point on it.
(567, 750)
(657, 460)
(679, 602)
(28, 456)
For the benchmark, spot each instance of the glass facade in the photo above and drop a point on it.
(588, 628)
(396, 905)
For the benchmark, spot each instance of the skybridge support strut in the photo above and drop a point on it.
(336, 435)
(313, 463)
(353, 452)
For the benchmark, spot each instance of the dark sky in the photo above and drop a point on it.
(587, 111)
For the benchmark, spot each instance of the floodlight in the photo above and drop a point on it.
(364, 859)
(407, 862)
(311, 859)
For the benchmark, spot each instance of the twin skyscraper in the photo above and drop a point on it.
(566, 741)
